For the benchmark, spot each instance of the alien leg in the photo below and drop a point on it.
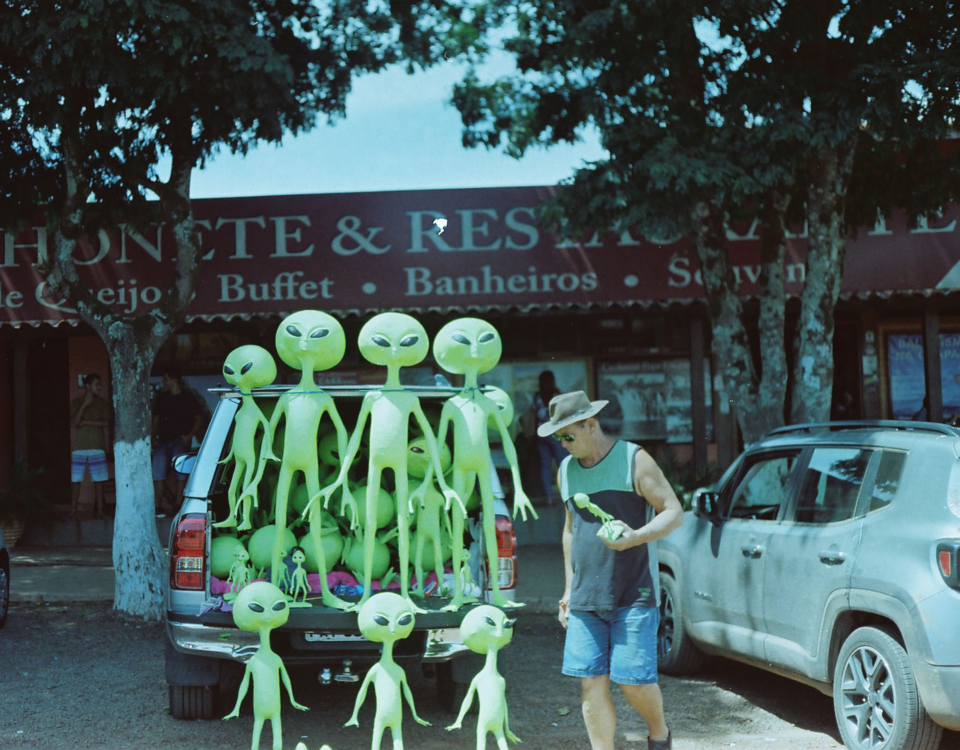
(370, 530)
(378, 727)
(459, 485)
(246, 500)
(231, 520)
(490, 541)
(280, 521)
(396, 730)
(418, 567)
(326, 595)
(257, 729)
(277, 732)
(403, 536)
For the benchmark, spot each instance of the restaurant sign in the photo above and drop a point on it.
(387, 250)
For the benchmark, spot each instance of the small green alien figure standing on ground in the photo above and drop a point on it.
(260, 608)
(486, 630)
(247, 367)
(386, 618)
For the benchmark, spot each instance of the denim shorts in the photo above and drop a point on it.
(163, 455)
(621, 643)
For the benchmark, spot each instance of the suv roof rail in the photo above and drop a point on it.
(887, 424)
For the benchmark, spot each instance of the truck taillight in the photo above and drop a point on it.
(948, 561)
(506, 554)
(188, 553)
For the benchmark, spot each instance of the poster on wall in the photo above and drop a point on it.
(905, 368)
(650, 400)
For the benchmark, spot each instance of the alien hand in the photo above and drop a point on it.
(450, 495)
(353, 722)
(297, 705)
(387, 577)
(456, 725)
(522, 503)
(422, 722)
(233, 714)
(511, 736)
(347, 500)
(418, 496)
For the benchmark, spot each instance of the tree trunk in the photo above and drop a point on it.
(829, 177)
(138, 556)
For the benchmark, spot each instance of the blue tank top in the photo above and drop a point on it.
(603, 578)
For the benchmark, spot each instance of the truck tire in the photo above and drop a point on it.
(676, 653)
(193, 701)
(875, 696)
(450, 693)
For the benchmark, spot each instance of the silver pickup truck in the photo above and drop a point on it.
(203, 642)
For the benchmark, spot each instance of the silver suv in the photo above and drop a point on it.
(829, 554)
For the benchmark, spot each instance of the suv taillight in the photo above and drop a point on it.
(506, 554)
(188, 553)
(948, 561)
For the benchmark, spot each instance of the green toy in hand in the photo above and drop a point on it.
(611, 528)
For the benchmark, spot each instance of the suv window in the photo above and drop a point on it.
(762, 490)
(831, 486)
(888, 479)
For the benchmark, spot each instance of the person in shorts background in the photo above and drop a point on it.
(90, 420)
(177, 419)
(610, 603)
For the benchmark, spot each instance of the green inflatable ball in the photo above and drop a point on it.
(353, 558)
(222, 550)
(260, 545)
(386, 507)
(331, 544)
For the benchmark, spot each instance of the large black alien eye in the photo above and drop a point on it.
(410, 340)
(381, 620)
(487, 337)
(380, 340)
(416, 449)
(293, 331)
(461, 339)
(279, 606)
(246, 368)
(255, 607)
(320, 333)
(227, 370)
(510, 623)
(405, 620)
(490, 622)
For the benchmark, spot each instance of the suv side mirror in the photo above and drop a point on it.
(706, 504)
(184, 463)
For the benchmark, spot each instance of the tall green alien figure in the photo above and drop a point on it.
(386, 618)
(261, 607)
(486, 630)
(308, 340)
(247, 367)
(469, 346)
(393, 340)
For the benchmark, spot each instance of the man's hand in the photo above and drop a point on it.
(564, 614)
(618, 542)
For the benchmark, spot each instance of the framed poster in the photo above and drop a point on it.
(650, 400)
(905, 379)
(522, 380)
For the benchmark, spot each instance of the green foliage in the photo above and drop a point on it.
(20, 497)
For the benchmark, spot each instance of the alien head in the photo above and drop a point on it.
(386, 617)
(486, 628)
(260, 606)
(393, 339)
(467, 345)
(418, 459)
(502, 399)
(310, 340)
(249, 367)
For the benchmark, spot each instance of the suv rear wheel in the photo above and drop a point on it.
(193, 701)
(676, 654)
(875, 696)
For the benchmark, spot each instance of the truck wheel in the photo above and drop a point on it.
(4, 594)
(193, 701)
(450, 694)
(676, 654)
(875, 696)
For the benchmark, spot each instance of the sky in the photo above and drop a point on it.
(400, 133)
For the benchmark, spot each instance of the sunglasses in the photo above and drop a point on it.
(563, 438)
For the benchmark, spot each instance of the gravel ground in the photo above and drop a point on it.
(81, 676)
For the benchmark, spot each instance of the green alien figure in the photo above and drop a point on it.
(611, 529)
(486, 630)
(299, 588)
(260, 608)
(429, 508)
(310, 341)
(240, 573)
(469, 346)
(247, 367)
(386, 618)
(393, 340)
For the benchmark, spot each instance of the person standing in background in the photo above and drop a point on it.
(177, 419)
(90, 420)
(548, 448)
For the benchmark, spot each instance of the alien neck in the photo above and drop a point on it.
(246, 398)
(265, 641)
(470, 380)
(491, 663)
(387, 652)
(393, 377)
(307, 383)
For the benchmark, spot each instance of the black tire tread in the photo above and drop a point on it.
(685, 657)
(191, 702)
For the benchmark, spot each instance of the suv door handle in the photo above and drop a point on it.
(752, 550)
(832, 556)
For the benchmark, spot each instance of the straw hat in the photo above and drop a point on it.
(568, 408)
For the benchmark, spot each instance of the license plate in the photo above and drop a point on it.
(331, 637)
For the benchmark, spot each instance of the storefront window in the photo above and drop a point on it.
(904, 360)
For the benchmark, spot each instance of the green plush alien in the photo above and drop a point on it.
(611, 528)
(240, 572)
(393, 340)
(260, 608)
(469, 346)
(428, 505)
(299, 588)
(386, 618)
(247, 367)
(486, 630)
(310, 341)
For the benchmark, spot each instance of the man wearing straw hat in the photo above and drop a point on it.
(610, 603)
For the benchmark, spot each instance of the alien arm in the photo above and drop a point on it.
(362, 696)
(409, 696)
(434, 451)
(465, 706)
(286, 683)
(520, 500)
(241, 694)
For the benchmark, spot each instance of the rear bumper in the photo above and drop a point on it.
(940, 692)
